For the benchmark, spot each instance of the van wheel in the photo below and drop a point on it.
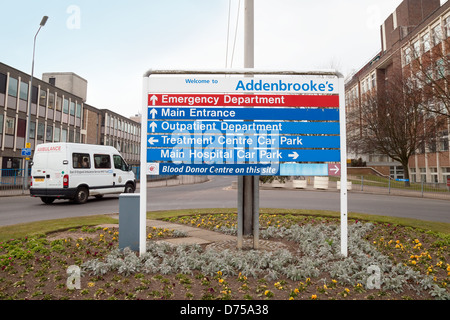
(129, 188)
(47, 200)
(82, 195)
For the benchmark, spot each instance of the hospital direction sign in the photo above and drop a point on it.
(236, 124)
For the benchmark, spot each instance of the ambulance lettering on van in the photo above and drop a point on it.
(76, 171)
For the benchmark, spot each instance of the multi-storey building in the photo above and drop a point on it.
(58, 113)
(106, 127)
(417, 31)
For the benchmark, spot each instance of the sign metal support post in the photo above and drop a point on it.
(248, 186)
(343, 149)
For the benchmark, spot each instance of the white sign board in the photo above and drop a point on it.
(239, 130)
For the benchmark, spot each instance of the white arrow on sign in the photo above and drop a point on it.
(153, 126)
(153, 112)
(335, 169)
(153, 99)
(152, 140)
(293, 155)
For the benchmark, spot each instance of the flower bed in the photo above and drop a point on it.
(412, 264)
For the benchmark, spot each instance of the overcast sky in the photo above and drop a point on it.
(112, 43)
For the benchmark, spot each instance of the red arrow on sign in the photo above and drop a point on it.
(334, 169)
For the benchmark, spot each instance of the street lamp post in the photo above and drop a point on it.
(27, 135)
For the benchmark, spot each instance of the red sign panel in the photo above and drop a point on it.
(243, 100)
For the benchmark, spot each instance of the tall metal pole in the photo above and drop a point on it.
(30, 94)
(248, 186)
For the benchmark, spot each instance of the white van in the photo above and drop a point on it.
(76, 171)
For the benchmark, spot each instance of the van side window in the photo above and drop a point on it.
(81, 161)
(102, 161)
(119, 163)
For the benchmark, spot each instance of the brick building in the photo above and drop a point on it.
(417, 31)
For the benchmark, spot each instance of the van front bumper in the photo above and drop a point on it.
(59, 193)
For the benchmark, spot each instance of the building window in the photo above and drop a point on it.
(447, 26)
(407, 55)
(21, 127)
(32, 130)
(373, 80)
(72, 108)
(423, 174)
(64, 135)
(1, 123)
(57, 135)
(43, 98)
(23, 95)
(40, 131)
(51, 101)
(65, 106)
(49, 134)
(12, 88)
(78, 112)
(416, 49)
(412, 175)
(10, 125)
(426, 42)
(2, 83)
(434, 175)
(34, 94)
(71, 135)
(437, 34)
(443, 141)
(58, 103)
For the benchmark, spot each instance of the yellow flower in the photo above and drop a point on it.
(296, 290)
(291, 298)
(314, 297)
(347, 290)
(91, 284)
(219, 273)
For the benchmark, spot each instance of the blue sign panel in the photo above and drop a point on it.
(242, 141)
(241, 155)
(274, 127)
(26, 152)
(189, 113)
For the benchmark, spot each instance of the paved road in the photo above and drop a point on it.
(218, 194)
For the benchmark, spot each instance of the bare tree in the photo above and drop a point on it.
(392, 122)
(430, 70)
